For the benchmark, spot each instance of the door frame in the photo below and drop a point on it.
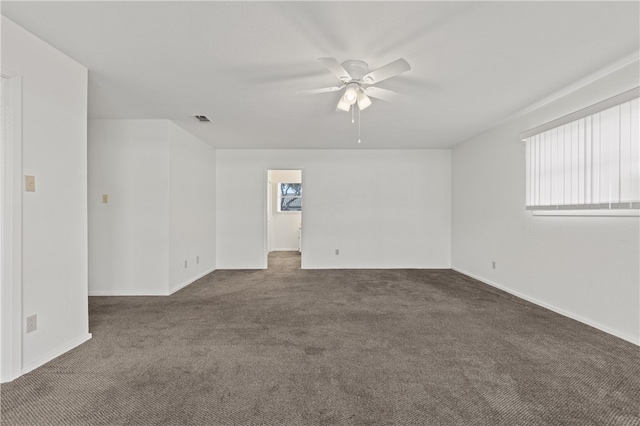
(265, 211)
(11, 250)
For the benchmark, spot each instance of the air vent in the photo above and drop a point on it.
(201, 118)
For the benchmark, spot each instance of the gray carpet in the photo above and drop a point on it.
(288, 346)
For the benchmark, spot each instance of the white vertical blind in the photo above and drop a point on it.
(591, 162)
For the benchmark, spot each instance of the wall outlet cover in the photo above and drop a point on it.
(32, 323)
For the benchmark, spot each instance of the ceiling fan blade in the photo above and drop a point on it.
(384, 94)
(336, 68)
(316, 91)
(391, 69)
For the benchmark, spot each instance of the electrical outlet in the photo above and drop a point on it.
(197, 260)
(185, 264)
(493, 264)
(32, 323)
(337, 252)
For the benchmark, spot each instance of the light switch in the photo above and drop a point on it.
(30, 183)
(105, 198)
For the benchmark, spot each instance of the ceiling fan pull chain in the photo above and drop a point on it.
(359, 120)
(353, 109)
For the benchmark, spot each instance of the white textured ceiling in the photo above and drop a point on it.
(240, 63)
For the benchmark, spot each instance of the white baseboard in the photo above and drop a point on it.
(55, 353)
(632, 339)
(124, 293)
(134, 293)
(285, 249)
(186, 283)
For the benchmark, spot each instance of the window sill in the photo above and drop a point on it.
(588, 212)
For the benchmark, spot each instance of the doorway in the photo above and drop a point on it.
(284, 213)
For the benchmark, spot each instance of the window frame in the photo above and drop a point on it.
(280, 196)
(546, 159)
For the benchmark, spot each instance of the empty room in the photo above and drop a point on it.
(320, 213)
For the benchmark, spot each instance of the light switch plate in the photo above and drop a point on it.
(105, 198)
(30, 183)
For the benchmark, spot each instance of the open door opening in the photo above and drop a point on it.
(284, 218)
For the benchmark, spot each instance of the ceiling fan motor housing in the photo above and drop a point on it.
(356, 69)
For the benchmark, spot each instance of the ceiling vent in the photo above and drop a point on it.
(201, 118)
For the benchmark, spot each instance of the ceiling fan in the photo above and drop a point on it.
(358, 81)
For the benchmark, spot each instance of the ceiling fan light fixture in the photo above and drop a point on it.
(363, 100)
(351, 94)
(343, 106)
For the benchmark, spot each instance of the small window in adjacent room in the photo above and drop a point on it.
(586, 160)
(289, 197)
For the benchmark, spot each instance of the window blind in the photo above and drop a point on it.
(590, 162)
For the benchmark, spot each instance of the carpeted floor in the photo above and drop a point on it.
(288, 346)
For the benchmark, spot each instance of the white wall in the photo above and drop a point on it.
(129, 235)
(381, 208)
(284, 225)
(54, 218)
(192, 208)
(160, 181)
(584, 267)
